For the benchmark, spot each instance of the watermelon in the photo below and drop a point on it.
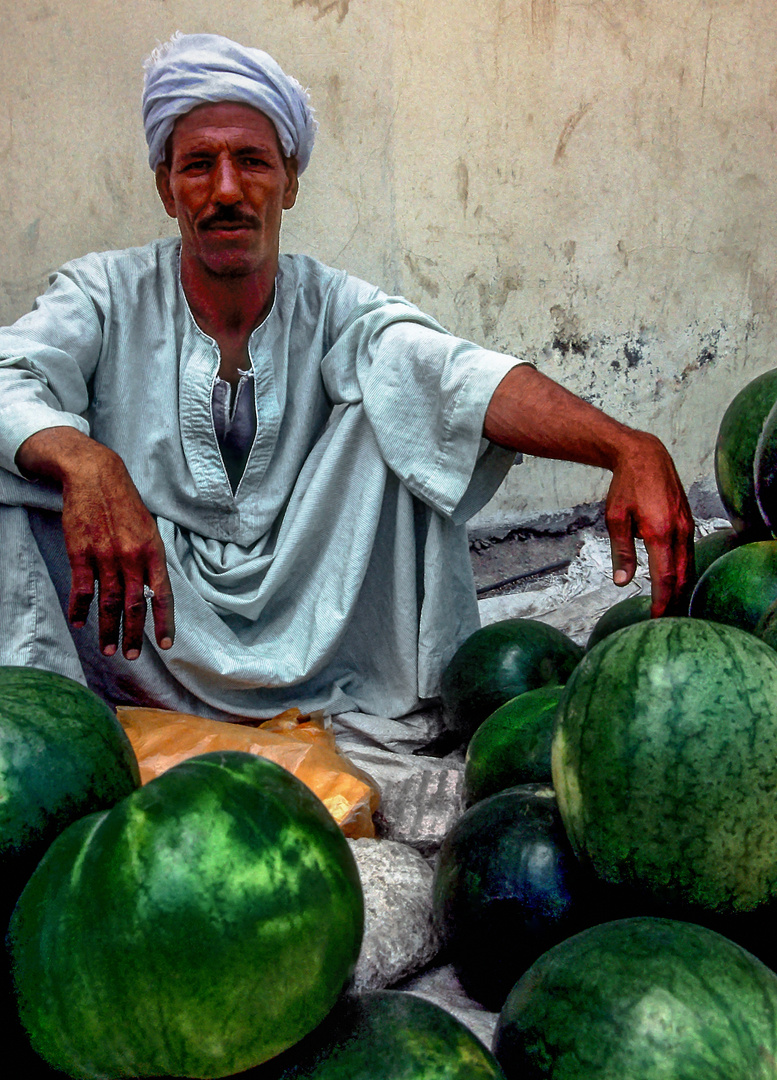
(735, 451)
(506, 887)
(664, 763)
(710, 547)
(624, 613)
(641, 999)
(766, 629)
(512, 746)
(63, 754)
(739, 586)
(765, 470)
(203, 925)
(385, 1035)
(497, 663)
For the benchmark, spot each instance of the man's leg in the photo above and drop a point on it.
(33, 629)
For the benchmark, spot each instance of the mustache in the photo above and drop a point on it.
(228, 216)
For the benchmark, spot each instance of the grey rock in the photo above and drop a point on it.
(399, 937)
(440, 986)
(421, 808)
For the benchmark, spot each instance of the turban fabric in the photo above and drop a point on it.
(192, 69)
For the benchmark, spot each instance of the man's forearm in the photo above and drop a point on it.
(58, 454)
(531, 413)
(535, 415)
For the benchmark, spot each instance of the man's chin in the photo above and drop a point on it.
(230, 264)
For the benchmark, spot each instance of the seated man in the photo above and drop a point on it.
(280, 450)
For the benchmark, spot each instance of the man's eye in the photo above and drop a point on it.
(196, 166)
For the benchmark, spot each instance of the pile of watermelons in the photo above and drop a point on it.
(204, 925)
(612, 888)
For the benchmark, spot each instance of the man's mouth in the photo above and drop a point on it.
(231, 225)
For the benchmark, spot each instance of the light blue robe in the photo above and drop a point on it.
(337, 575)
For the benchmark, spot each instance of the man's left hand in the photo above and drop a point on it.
(646, 499)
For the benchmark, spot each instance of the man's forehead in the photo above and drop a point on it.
(212, 116)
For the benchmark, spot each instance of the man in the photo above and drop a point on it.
(280, 456)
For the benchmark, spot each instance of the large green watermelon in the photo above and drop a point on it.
(63, 754)
(497, 663)
(512, 745)
(665, 764)
(506, 887)
(204, 924)
(641, 999)
(738, 587)
(735, 450)
(385, 1035)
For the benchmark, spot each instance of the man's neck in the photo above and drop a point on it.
(227, 308)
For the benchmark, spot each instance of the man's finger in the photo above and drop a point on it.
(81, 594)
(134, 619)
(623, 551)
(663, 574)
(110, 599)
(162, 607)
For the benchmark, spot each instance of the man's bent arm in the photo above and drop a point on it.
(531, 413)
(109, 534)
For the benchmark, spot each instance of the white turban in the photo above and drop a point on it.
(191, 69)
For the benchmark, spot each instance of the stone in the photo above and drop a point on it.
(399, 937)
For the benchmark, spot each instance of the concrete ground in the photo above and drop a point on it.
(531, 550)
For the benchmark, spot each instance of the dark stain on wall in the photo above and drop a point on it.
(326, 7)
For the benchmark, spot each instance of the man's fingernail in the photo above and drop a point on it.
(109, 650)
(132, 654)
(620, 577)
(166, 643)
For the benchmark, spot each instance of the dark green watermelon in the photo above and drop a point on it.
(506, 887)
(512, 745)
(500, 661)
(205, 924)
(710, 547)
(665, 764)
(624, 613)
(735, 450)
(765, 470)
(738, 587)
(385, 1035)
(641, 999)
(63, 754)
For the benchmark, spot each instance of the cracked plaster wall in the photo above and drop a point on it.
(590, 185)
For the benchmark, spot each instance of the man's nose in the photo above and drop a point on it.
(227, 187)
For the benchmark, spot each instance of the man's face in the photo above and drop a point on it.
(227, 184)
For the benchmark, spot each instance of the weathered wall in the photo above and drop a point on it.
(588, 184)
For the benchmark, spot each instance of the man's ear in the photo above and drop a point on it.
(292, 183)
(162, 176)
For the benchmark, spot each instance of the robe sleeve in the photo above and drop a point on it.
(46, 361)
(425, 393)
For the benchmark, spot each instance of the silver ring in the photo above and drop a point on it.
(147, 592)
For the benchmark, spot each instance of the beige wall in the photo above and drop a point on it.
(590, 185)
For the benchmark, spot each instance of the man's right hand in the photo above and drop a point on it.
(111, 538)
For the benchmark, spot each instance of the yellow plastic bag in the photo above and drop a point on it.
(299, 743)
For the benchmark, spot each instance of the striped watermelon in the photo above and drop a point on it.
(665, 764)
(385, 1035)
(641, 999)
(735, 451)
(203, 925)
